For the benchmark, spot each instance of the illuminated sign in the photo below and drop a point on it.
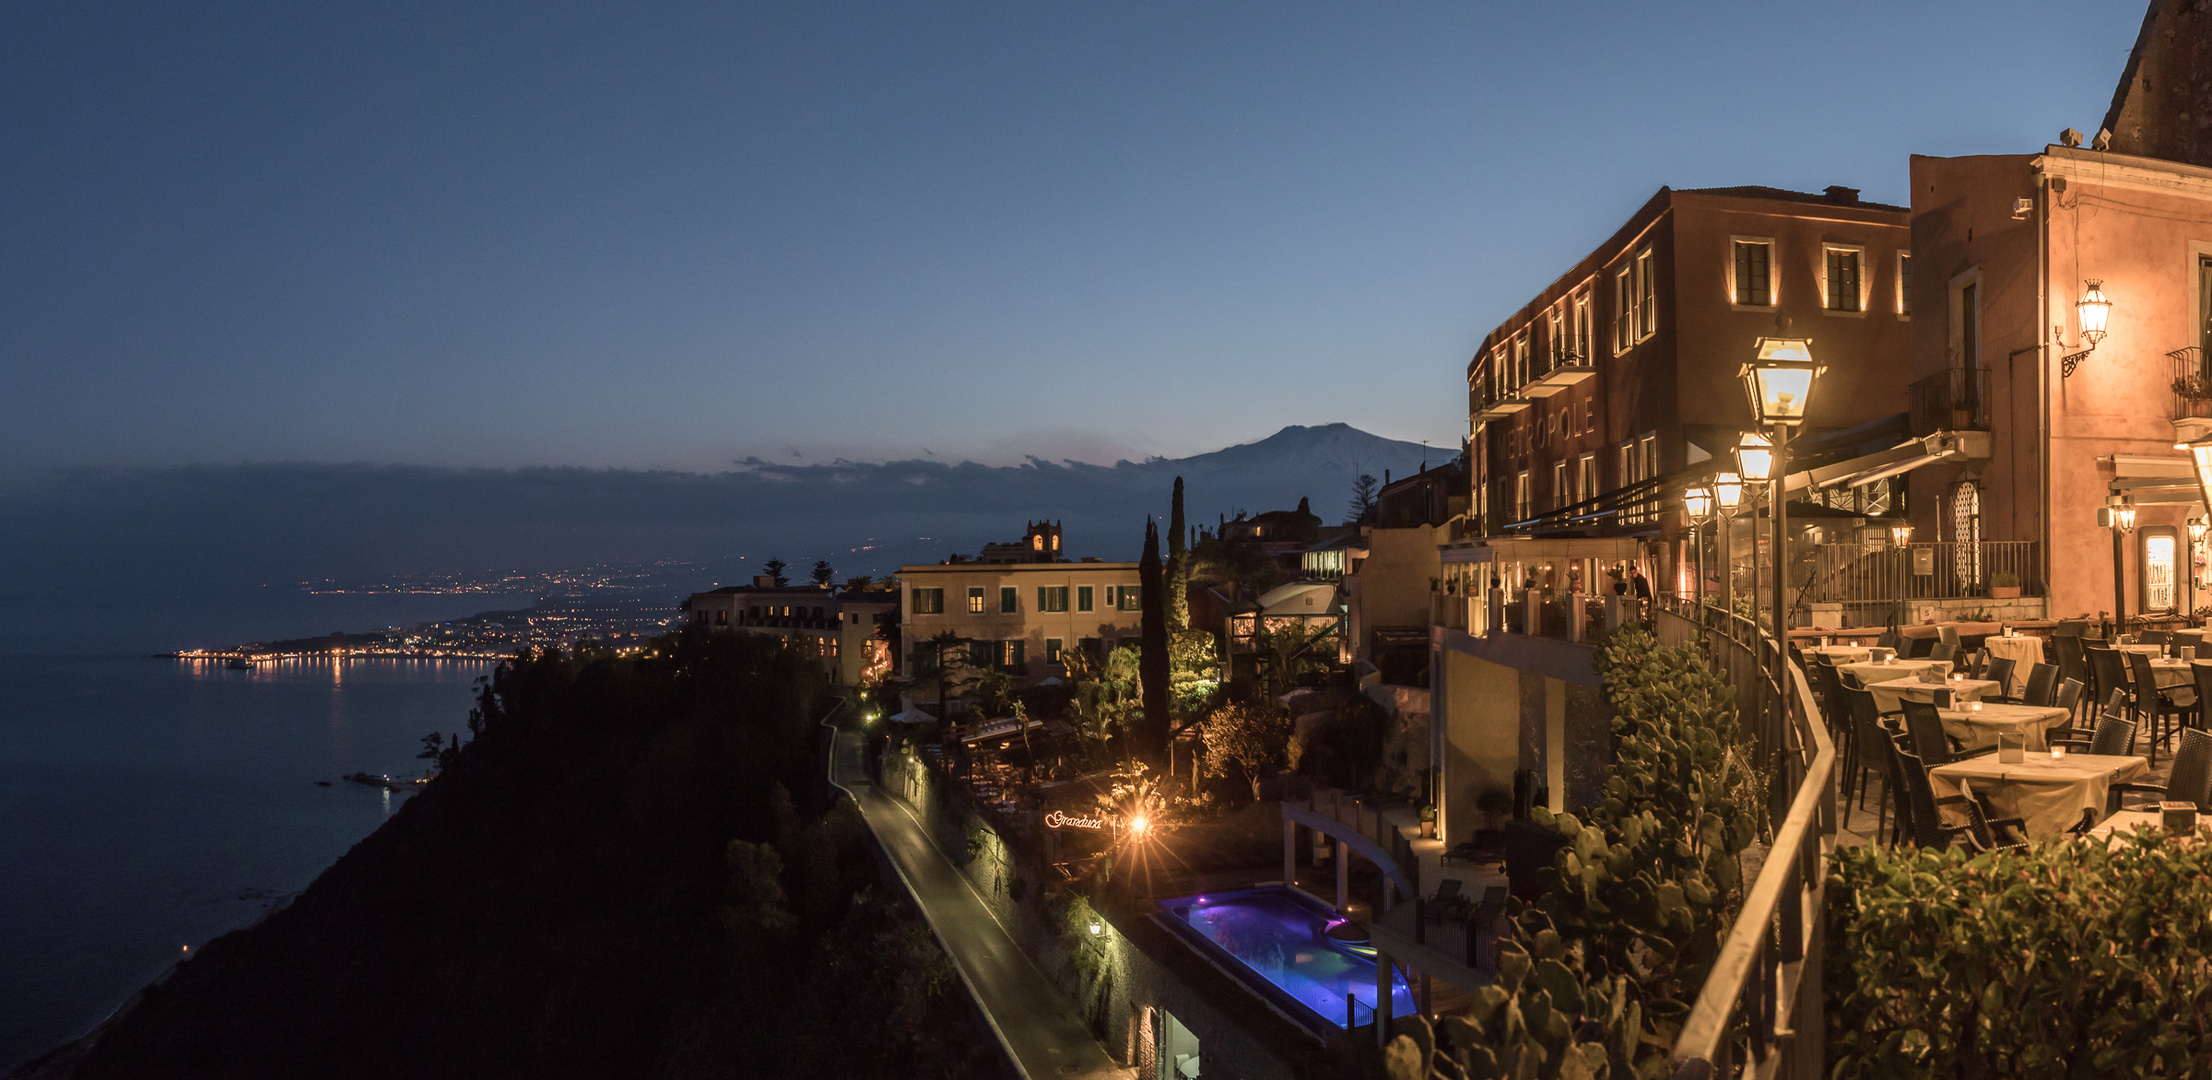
(1058, 820)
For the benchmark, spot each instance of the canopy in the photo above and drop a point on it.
(913, 716)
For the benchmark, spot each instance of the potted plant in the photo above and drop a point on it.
(2004, 585)
(1428, 823)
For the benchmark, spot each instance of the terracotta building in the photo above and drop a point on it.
(2011, 247)
(1622, 373)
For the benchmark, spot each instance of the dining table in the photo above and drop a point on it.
(1979, 729)
(1891, 694)
(2024, 652)
(2048, 794)
(2123, 824)
(1869, 672)
(1843, 654)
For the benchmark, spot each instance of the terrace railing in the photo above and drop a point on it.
(1871, 580)
(2192, 385)
(1768, 973)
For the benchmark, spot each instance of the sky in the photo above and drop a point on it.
(674, 235)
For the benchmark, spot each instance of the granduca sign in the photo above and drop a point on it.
(1058, 820)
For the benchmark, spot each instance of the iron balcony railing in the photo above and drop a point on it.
(1870, 580)
(1954, 400)
(1767, 977)
(2192, 385)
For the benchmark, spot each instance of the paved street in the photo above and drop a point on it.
(1034, 1020)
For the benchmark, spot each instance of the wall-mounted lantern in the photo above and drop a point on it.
(2092, 310)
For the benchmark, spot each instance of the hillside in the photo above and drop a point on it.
(628, 873)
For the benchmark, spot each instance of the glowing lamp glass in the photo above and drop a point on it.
(2094, 308)
(1779, 383)
(1755, 459)
(1900, 534)
(1727, 491)
(1698, 501)
(1140, 825)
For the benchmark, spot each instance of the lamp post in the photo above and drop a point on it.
(1697, 505)
(2196, 537)
(1779, 383)
(2119, 516)
(1727, 498)
(1755, 463)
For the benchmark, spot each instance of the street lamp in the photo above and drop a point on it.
(1900, 534)
(1697, 503)
(1755, 458)
(1779, 383)
(2092, 310)
(2119, 516)
(1727, 499)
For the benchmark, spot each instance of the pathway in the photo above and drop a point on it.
(1035, 1022)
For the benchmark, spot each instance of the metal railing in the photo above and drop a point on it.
(1871, 580)
(2192, 384)
(1954, 400)
(1768, 973)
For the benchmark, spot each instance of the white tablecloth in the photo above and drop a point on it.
(2047, 793)
(1978, 729)
(2176, 679)
(2024, 652)
(1889, 696)
(1868, 672)
(2122, 825)
(1844, 654)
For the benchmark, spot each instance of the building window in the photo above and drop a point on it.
(1521, 496)
(1842, 281)
(1082, 598)
(1966, 321)
(975, 601)
(1589, 483)
(1052, 598)
(1010, 654)
(982, 654)
(1090, 647)
(1127, 598)
(1556, 332)
(1647, 296)
(929, 601)
(1904, 283)
(1008, 600)
(1520, 361)
(1562, 491)
(2204, 308)
(2160, 570)
(1052, 650)
(1624, 310)
(1649, 449)
(1754, 278)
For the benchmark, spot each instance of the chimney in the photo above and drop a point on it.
(1843, 196)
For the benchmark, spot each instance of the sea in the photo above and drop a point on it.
(149, 804)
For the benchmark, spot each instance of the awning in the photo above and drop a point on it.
(1895, 461)
(2151, 480)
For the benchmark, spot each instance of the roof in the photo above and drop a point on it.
(1062, 566)
(1757, 191)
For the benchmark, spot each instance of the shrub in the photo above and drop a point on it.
(1642, 894)
(2063, 959)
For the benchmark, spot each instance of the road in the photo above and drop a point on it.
(1035, 1022)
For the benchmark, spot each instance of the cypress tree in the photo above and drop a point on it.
(1150, 743)
(1178, 567)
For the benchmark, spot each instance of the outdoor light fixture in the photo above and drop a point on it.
(1698, 502)
(1727, 491)
(2196, 529)
(2092, 309)
(1780, 381)
(1755, 458)
(1140, 825)
(1098, 926)
(1900, 534)
(2119, 516)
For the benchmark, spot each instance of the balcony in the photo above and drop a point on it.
(1484, 405)
(2192, 385)
(1557, 372)
(1955, 400)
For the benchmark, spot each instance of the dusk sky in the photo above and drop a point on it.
(678, 234)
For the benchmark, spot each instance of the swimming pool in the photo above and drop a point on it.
(1281, 938)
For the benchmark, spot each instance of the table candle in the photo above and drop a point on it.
(2057, 752)
(1973, 706)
